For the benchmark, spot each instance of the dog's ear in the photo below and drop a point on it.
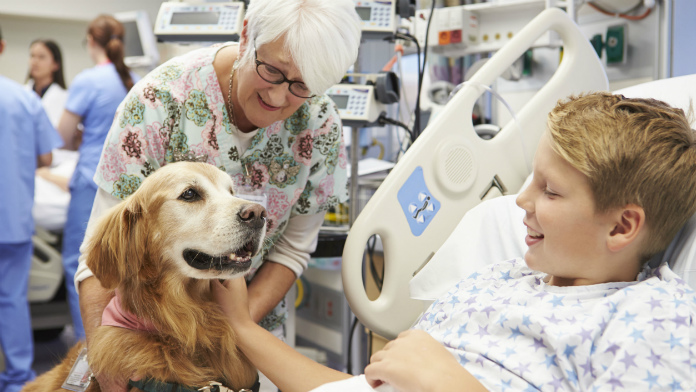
(117, 245)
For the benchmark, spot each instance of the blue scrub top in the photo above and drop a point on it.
(25, 133)
(94, 95)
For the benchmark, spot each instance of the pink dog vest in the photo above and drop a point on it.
(115, 316)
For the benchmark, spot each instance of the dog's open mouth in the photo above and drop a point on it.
(239, 259)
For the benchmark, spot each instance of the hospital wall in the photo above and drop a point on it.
(63, 21)
(18, 33)
(658, 47)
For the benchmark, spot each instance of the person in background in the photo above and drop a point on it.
(46, 77)
(93, 97)
(257, 110)
(26, 140)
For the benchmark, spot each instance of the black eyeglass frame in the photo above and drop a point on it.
(285, 79)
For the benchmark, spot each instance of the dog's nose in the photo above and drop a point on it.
(253, 215)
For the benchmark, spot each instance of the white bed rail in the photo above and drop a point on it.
(448, 170)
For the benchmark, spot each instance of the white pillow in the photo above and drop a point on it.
(681, 253)
(488, 233)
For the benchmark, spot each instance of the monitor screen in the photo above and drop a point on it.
(132, 44)
(139, 45)
(195, 18)
(340, 100)
(364, 12)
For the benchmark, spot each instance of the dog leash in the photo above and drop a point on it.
(152, 385)
(217, 387)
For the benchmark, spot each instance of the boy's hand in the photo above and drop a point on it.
(232, 297)
(415, 361)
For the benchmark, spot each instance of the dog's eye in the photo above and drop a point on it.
(231, 191)
(190, 195)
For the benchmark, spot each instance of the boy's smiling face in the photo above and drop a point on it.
(566, 237)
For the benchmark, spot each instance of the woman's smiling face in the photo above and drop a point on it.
(264, 103)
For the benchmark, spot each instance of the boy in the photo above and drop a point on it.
(613, 183)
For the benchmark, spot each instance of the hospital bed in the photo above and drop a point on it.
(49, 309)
(449, 171)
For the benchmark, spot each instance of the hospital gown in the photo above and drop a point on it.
(514, 332)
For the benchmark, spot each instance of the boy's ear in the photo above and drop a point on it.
(628, 225)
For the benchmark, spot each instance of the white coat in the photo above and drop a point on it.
(53, 101)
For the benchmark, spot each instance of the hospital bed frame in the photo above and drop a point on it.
(49, 308)
(449, 170)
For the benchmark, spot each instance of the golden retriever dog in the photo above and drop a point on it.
(159, 250)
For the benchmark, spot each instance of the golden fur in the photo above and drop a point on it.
(138, 248)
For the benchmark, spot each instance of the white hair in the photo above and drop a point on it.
(321, 36)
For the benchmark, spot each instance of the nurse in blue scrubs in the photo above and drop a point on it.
(93, 97)
(26, 140)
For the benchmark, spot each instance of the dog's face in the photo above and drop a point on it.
(183, 214)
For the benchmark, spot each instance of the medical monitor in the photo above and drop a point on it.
(140, 46)
(377, 17)
(199, 21)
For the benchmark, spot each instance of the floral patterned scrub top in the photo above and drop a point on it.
(178, 112)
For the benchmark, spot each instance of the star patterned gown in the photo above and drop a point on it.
(514, 332)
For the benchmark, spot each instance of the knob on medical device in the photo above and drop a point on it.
(449, 169)
(387, 88)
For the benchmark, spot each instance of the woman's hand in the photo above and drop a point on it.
(415, 361)
(232, 297)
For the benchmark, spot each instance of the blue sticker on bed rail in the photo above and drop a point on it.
(417, 202)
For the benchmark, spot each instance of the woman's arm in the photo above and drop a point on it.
(284, 263)
(44, 160)
(270, 284)
(416, 362)
(67, 128)
(45, 173)
(285, 367)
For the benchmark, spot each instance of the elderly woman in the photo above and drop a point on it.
(257, 111)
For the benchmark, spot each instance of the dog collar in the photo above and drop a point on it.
(152, 385)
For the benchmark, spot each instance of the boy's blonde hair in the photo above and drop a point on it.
(633, 151)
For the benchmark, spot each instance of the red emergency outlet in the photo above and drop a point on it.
(455, 36)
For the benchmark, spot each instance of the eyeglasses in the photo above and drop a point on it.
(273, 75)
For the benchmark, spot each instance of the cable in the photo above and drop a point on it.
(402, 88)
(630, 9)
(409, 37)
(401, 112)
(369, 346)
(374, 143)
(618, 14)
(349, 365)
(382, 120)
(417, 125)
(378, 278)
